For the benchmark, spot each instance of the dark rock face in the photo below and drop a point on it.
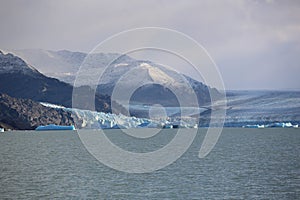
(25, 114)
(45, 89)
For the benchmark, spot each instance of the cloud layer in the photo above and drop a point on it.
(256, 44)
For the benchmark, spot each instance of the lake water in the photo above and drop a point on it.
(245, 164)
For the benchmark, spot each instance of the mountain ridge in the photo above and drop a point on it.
(19, 80)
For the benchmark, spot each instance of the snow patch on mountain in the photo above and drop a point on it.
(157, 75)
(121, 64)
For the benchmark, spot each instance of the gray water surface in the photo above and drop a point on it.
(245, 164)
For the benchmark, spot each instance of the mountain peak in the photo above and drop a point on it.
(10, 63)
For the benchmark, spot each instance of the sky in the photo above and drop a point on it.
(255, 44)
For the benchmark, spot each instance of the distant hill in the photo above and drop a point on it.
(21, 80)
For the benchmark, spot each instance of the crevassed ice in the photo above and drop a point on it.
(100, 120)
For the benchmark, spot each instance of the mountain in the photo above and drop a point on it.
(63, 64)
(157, 82)
(20, 80)
(25, 114)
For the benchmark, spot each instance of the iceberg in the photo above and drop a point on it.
(53, 127)
(281, 125)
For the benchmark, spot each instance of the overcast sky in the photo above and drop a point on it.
(256, 44)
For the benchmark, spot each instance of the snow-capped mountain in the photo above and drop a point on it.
(122, 70)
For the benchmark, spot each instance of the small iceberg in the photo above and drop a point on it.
(53, 127)
(254, 126)
(168, 126)
(1, 130)
(281, 125)
(274, 125)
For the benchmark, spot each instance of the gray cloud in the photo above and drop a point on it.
(255, 43)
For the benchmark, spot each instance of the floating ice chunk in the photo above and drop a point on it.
(273, 125)
(254, 126)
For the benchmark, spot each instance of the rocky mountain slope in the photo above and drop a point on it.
(25, 114)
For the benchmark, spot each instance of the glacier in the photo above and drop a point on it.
(100, 120)
(249, 109)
